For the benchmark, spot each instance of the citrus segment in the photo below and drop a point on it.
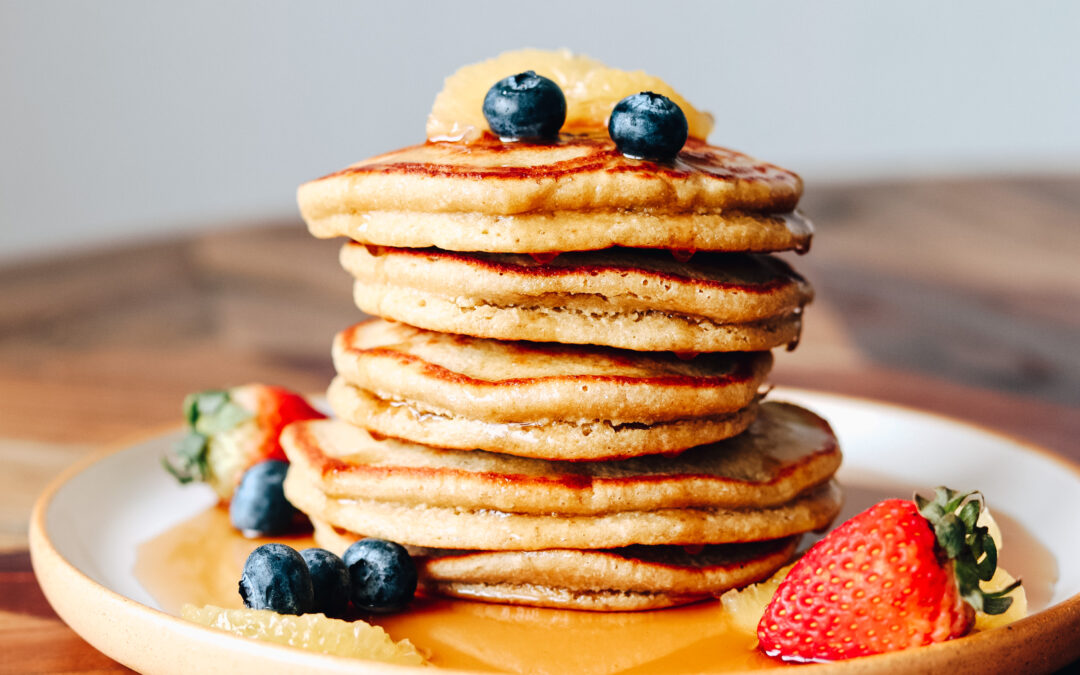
(313, 632)
(1017, 610)
(591, 89)
(746, 606)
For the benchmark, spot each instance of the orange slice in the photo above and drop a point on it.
(313, 632)
(591, 89)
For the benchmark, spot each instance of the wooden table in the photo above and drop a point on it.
(959, 296)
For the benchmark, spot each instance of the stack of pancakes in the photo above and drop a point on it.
(561, 404)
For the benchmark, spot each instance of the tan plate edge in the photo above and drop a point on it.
(113, 623)
(1032, 644)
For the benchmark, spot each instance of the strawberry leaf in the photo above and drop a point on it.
(187, 462)
(950, 534)
(988, 564)
(208, 413)
(191, 409)
(225, 417)
(954, 517)
(995, 605)
(998, 602)
(205, 403)
(969, 514)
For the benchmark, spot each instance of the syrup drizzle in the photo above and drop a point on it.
(683, 254)
(544, 258)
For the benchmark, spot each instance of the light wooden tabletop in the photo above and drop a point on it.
(958, 296)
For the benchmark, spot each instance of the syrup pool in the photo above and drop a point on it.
(199, 562)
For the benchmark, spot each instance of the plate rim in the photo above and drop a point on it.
(58, 577)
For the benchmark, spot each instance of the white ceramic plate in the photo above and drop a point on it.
(88, 525)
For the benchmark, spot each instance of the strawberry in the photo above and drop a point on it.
(900, 574)
(231, 430)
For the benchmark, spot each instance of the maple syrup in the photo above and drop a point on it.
(199, 562)
(544, 258)
(683, 255)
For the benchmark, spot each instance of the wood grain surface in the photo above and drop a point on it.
(957, 296)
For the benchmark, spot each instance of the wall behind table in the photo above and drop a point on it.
(128, 119)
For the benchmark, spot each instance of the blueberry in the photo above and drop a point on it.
(330, 580)
(259, 506)
(648, 126)
(525, 106)
(276, 578)
(383, 575)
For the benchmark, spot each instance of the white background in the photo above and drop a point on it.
(128, 120)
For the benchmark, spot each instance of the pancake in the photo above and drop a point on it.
(785, 452)
(638, 300)
(768, 483)
(629, 578)
(460, 528)
(508, 381)
(568, 440)
(575, 194)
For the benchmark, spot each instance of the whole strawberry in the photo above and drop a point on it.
(231, 430)
(898, 575)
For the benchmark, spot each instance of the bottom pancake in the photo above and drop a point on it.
(623, 579)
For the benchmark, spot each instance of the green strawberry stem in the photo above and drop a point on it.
(207, 413)
(954, 517)
(187, 462)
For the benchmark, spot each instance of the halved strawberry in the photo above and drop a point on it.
(898, 575)
(231, 430)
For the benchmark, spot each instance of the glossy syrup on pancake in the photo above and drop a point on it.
(577, 193)
(737, 272)
(594, 153)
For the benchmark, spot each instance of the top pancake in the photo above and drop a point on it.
(577, 193)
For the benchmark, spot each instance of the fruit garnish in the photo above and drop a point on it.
(898, 575)
(313, 632)
(591, 90)
(648, 126)
(259, 507)
(329, 580)
(276, 578)
(525, 106)
(382, 574)
(1016, 611)
(745, 606)
(232, 430)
